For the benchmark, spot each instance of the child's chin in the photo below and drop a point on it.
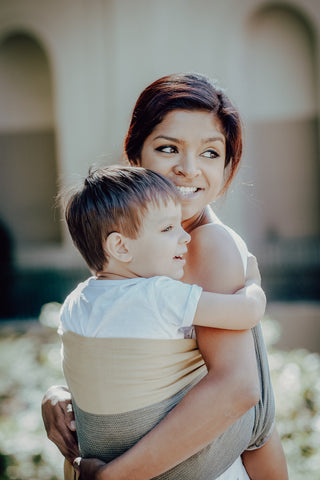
(178, 275)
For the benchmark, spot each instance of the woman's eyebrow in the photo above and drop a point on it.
(216, 138)
(171, 139)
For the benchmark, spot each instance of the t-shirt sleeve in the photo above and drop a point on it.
(63, 320)
(176, 301)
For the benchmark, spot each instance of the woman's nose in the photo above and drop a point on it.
(187, 167)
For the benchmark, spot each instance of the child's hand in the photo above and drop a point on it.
(254, 293)
(89, 468)
(253, 274)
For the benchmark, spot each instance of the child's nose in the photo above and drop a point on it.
(185, 237)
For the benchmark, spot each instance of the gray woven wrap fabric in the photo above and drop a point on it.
(265, 408)
(108, 436)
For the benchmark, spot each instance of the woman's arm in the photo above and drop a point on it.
(228, 390)
(238, 313)
(267, 462)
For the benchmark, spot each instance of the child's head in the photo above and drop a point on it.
(113, 203)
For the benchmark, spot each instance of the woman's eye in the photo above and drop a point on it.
(210, 153)
(167, 229)
(167, 149)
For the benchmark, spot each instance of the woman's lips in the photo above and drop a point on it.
(187, 191)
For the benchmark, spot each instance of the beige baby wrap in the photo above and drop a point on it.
(122, 387)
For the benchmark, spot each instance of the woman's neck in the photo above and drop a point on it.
(206, 216)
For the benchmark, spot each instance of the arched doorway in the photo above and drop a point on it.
(27, 143)
(283, 147)
(28, 179)
(283, 123)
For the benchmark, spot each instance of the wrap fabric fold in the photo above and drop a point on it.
(121, 388)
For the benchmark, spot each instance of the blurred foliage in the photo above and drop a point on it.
(30, 363)
(296, 383)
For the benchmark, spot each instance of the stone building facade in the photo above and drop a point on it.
(70, 72)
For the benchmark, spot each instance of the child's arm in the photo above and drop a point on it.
(267, 462)
(239, 311)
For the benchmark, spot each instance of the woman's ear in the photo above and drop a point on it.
(116, 246)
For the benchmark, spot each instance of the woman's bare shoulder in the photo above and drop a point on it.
(216, 237)
(214, 259)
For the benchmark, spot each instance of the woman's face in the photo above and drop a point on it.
(189, 148)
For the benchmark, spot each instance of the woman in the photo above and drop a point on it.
(186, 128)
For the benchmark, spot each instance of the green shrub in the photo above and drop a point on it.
(30, 363)
(296, 382)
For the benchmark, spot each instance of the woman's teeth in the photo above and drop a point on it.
(187, 190)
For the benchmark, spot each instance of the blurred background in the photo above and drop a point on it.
(70, 73)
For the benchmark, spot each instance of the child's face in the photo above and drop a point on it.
(161, 244)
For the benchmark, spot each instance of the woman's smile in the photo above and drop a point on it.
(188, 147)
(187, 192)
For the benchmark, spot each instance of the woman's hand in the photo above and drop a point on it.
(59, 421)
(89, 468)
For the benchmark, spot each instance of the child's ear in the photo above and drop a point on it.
(116, 246)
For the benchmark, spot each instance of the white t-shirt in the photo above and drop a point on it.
(157, 307)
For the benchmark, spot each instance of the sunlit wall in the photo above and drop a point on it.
(70, 73)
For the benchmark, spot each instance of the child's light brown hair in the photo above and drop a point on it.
(113, 199)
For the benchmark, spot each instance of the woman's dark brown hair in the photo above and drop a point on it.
(186, 91)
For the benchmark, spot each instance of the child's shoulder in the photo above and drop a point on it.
(76, 293)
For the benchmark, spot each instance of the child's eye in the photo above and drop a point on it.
(167, 229)
(210, 153)
(167, 149)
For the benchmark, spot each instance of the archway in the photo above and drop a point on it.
(283, 150)
(283, 123)
(28, 180)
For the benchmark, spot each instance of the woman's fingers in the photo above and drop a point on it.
(59, 422)
(69, 416)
